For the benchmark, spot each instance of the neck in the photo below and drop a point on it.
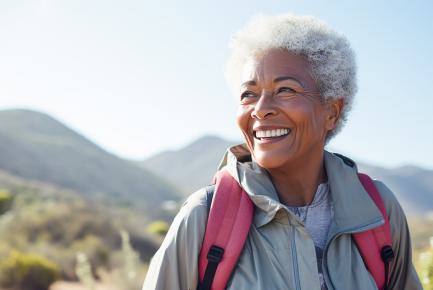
(297, 182)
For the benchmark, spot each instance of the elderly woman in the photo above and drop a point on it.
(295, 80)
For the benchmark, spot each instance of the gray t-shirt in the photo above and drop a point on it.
(317, 220)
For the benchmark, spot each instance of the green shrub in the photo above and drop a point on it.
(158, 227)
(425, 267)
(27, 271)
(5, 201)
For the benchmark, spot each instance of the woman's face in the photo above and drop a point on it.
(281, 114)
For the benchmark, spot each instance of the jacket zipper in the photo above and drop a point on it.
(362, 228)
(295, 261)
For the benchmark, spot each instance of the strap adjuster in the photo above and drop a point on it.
(387, 254)
(215, 254)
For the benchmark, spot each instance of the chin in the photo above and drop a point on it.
(269, 160)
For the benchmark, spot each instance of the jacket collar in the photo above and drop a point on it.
(353, 208)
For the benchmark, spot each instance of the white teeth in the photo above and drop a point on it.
(272, 133)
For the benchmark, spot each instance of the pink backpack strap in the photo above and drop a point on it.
(375, 245)
(228, 224)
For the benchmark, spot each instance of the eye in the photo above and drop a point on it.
(287, 91)
(248, 95)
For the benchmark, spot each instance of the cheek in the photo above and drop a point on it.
(318, 118)
(298, 112)
(242, 118)
(305, 114)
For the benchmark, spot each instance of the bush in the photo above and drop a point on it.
(128, 273)
(425, 267)
(94, 249)
(27, 271)
(5, 201)
(83, 269)
(158, 227)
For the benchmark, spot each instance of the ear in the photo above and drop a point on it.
(334, 109)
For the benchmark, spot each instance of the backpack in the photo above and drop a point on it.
(229, 220)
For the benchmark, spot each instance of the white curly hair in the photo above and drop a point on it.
(329, 53)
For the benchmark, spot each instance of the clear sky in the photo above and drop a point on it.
(139, 77)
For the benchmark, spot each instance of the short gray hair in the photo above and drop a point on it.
(329, 53)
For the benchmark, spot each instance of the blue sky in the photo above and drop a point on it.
(139, 77)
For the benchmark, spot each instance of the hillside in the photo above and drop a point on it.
(35, 146)
(412, 185)
(193, 166)
(56, 223)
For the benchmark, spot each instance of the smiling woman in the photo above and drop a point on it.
(285, 213)
(281, 94)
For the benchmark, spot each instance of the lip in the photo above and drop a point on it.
(270, 140)
(270, 127)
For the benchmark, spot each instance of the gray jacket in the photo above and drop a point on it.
(279, 254)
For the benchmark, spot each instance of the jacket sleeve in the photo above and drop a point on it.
(175, 264)
(402, 271)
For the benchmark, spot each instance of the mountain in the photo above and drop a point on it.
(412, 185)
(193, 166)
(37, 147)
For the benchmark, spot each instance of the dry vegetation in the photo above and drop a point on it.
(45, 227)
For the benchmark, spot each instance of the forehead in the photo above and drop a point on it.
(275, 63)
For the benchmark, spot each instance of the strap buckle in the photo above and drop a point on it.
(215, 254)
(387, 254)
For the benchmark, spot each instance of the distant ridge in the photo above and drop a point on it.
(412, 185)
(36, 146)
(193, 166)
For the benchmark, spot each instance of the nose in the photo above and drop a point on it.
(264, 107)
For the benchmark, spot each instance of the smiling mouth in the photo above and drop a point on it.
(270, 134)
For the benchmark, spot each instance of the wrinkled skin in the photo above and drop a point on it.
(278, 91)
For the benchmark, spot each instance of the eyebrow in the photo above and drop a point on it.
(249, 83)
(284, 78)
(276, 80)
